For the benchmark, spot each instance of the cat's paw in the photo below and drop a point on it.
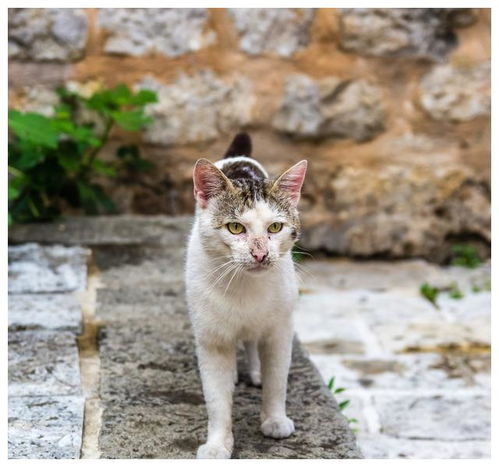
(278, 427)
(213, 451)
(256, 378)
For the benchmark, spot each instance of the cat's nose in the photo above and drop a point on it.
(259, 255)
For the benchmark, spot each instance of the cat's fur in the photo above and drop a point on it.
(242, 287)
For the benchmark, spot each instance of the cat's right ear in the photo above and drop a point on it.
(209, 181)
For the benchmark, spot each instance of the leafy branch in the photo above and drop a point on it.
(54, 161)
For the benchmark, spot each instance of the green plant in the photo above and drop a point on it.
(455, 292)
(298, 253)
(430, 293)
(465, 256)
(54, 161)
(343, 404)
(485, 287)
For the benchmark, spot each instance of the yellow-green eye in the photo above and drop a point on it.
(235, 228)
(275, 227)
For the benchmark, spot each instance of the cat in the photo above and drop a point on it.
(241, 286)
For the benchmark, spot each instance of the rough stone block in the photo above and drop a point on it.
(43, 363)
(456, 94)
(402, 32)
(417, 372)
(167, 418)
(169, 232)
(281, 31)
(44, 311)
(197, 108)
(45, 427)
(142, 31)
(446, 417)
(402, 212)
(320, 335)
(330, 107)
(47, 34)
(34, 268)
(385, 447)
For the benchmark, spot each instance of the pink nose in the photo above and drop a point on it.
(259, 255)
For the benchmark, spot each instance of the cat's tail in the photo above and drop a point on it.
(240, 146)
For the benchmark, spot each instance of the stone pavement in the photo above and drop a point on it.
(135, 379)
(46, 403)
(417, 377)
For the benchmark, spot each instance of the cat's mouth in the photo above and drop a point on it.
(259, 267)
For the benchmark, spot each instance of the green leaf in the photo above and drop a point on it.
(10, 219)
(330, 384)
(121, 95)
(71, 161)
(455, 292)
(343, 405)
(143, 97)
(131, 120)
(103, 168)
(92, 196)
(80, 134)
(34, 128)
(13, 192)
(466, 256)
(339, 390)
(110, 99)
(430, 293)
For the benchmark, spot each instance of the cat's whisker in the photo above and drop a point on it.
(226, 272)
(238, 270)
(214, 270)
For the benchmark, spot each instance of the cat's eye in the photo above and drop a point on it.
(235, 228)
(275, 227)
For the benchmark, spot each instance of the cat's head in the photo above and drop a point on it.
(251, 222)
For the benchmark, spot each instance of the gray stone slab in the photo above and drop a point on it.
(43, 363)
(450, 417)
(150, 389)
(156, 408)
(45, 427)
(34, 268)
(44, 311)
(137, 270)
(170, 232)
(325, 327)
(280, 31)
(386, 447)
(407, 372)
(166, 31)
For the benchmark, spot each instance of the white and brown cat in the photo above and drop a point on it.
(241, 286)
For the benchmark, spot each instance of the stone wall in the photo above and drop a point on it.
(390, 106)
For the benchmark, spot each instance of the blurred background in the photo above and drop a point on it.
(390, 106)
(108, 111)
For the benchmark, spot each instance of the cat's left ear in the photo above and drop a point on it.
(209, 181)
(291, 181)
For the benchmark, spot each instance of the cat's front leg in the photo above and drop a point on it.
(217, 365)
(253, 361)
(275, 355)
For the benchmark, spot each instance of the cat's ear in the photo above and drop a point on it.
(209, 181)
(291, 181)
